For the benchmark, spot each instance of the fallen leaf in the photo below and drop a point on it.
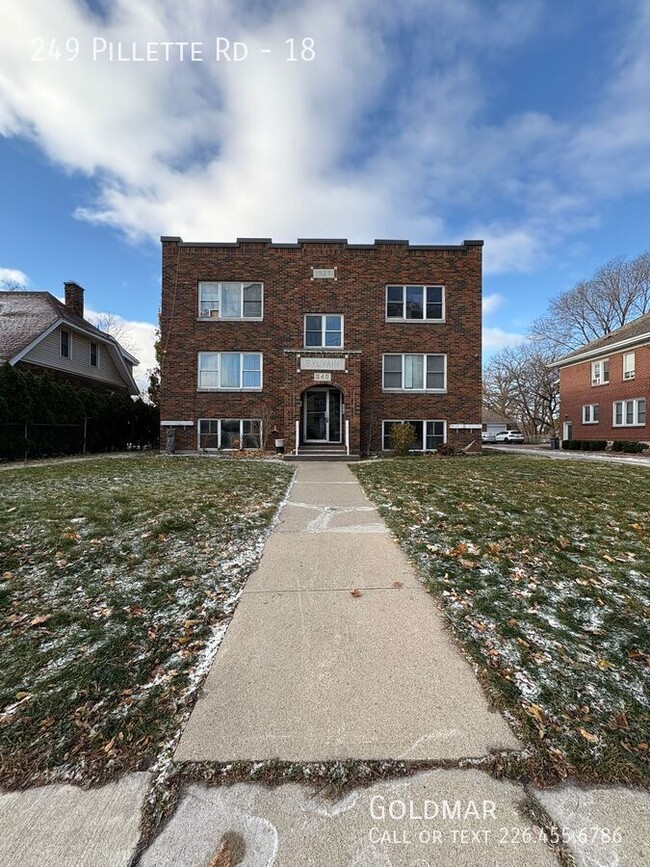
(588, 736)
(42, 618)
(22, 694)
(535, 711)
(398, 584)
(7, 576)
(356, 593)
(642, 746)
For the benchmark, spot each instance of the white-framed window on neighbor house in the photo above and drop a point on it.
(629, 365)
(629, 413)
(66, 343)
(230, 433)
(414, 372)
(415, 303)
(323, 331)
(600, 372)
(230, 300)
(429, 434)
(230, 371)
(94, 354)
(590, 413)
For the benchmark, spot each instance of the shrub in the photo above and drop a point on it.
(446, 450)
(630, 448)
(584, 445)
(402, 437)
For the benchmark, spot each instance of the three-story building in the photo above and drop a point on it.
(327, 342)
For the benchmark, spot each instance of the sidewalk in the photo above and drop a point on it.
(546, 452)
(336, 651)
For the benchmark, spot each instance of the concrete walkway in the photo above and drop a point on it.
(544, 452)
(336, 650)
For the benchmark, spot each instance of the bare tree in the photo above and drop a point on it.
(519, 384)
(112, 324)
(619, 292)
(11, 286)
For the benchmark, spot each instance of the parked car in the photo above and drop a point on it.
(509, 436)
(488, 437)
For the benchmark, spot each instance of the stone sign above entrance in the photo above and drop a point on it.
(322, 364)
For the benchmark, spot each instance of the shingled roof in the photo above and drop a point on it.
(636, 331)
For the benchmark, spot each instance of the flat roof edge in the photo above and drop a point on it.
(268, 242)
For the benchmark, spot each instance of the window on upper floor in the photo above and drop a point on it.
(600, 372)
(232, 371)
(414, 372)
(590, 413)
(629, 365)
(627, 413)
(323, 331)
(230, 300)
(415, 303)
(66, 343)
(94, 354)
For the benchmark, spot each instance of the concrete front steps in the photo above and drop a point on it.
(321, 452)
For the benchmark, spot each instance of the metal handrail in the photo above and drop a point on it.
(347, 436)
(297, 434)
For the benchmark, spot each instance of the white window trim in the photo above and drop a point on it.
(424, 421)
(68, 331)
(424, 320)
(629, 374)
(424, 390)
(635, 414)
(592, 420)
(90, 355)
(596, 382)
(221, 318)
(219, 420)
(241, 370)
(322, 331)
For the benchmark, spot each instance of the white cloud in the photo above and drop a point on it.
(13, 275)
(496, 338)
(374, 138)
(491, 302)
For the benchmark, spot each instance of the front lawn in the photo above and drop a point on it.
(543, 569)
(118, 577)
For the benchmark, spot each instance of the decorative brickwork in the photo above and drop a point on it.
(357, 291)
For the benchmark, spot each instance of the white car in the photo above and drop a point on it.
(487, 437)
(509, 436)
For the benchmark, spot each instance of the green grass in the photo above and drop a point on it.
(117, 579)
(543, 571)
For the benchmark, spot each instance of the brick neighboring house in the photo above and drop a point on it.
(38, 332)
(605, 386)
(321, 339)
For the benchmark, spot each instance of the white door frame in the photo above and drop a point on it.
(328, 390)
(567, 429)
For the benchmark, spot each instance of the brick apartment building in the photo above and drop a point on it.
(327, 342)
(605, 386)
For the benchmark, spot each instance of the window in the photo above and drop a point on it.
(419, 372)
(590, 413)
(230, 370)
(324, 331)
(627, 413)
(433, 431)
(629, 365)
(230, 300)
(94, 355)
(413, 303)
(65, 344)
(230, 433)
(600, 372)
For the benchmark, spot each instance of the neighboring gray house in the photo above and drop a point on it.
(493, 423)
(37, 331)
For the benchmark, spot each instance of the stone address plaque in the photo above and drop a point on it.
(322, 377)
(323, 273)
(322, 363)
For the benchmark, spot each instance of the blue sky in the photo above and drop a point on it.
(526, 124)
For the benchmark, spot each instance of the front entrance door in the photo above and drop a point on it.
(322, 415)
(567, 430)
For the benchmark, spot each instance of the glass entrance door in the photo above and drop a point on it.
(322, 415)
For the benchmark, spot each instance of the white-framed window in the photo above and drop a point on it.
(230, 300)
(629, 365)
(233, 371)
(590, 413)
(324, 330)
(600, 372)
(429, 434)
(414, 372)
(628, 413)
(66, 343)
(230, 433)
(94, 354)
(415, 303)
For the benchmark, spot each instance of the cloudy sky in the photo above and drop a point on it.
(526, 124)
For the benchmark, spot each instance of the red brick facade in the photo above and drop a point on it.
(290, 291)
(577, 391)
